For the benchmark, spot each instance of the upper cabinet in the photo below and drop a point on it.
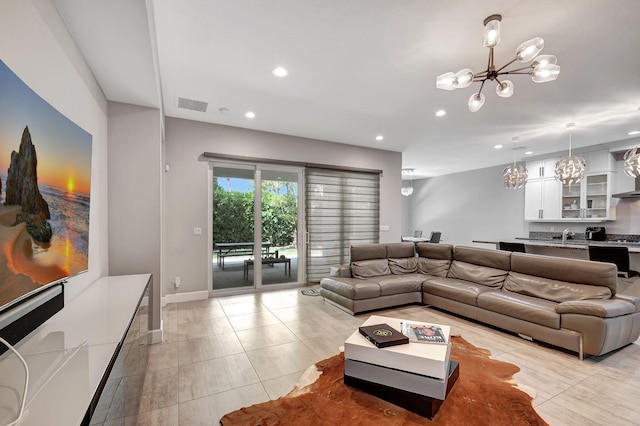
(588, 201)
(542, 192)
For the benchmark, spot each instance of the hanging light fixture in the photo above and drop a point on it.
(543, 68)
(570, 170)
(632, 160)
(408, 189)
(632, 163)
(515, 176)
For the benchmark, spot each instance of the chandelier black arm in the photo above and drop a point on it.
(528, 67)
(507, 64)
(481, 86)
(515, 72)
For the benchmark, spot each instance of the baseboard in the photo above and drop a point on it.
(185, 297)
(155, 336)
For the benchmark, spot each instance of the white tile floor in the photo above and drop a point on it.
(224, 353)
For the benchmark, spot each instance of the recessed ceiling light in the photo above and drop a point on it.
(280, 72)
(497, 146)
(407, 171)
(379, 137)
(528, 153)
(440, 113)
(224, 111)
(250, 114)
(634, 132)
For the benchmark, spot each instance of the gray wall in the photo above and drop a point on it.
(468, 206)
(135, 194)
(36, 45)
(187, 186)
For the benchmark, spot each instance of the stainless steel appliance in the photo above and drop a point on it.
(595, 233)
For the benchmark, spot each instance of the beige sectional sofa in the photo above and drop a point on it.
(568, 303)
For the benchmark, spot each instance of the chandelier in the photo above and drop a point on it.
(407, 190)
(570, 170)
(515, 176)
(632, 163)
(543, 68)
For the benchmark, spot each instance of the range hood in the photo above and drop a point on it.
(619, 156)
(631, 194)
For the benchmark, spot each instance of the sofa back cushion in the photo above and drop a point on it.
(364, 269)
(401, 250)
(368, 251)
(554, 290)
(403, 265)
(496, 259)
(435, 267)
(566, 270)
(435, 251)
(434, 259)
(479, 274)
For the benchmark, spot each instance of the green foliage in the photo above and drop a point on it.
(233, 214)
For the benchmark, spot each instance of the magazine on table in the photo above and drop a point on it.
(422, 332)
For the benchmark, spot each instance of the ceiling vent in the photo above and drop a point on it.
(192, 104)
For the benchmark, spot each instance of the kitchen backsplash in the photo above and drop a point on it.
(535, 235)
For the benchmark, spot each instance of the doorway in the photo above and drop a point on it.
(256, 220)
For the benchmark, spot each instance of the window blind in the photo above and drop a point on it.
(342, 208)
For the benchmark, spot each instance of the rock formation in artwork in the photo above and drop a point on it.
(22, 189)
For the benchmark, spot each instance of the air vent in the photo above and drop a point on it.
(192, 104)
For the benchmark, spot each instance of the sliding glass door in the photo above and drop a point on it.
(255, 226)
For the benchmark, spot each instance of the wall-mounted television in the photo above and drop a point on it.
(45, 183)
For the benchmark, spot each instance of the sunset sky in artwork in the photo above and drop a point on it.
(62, 147)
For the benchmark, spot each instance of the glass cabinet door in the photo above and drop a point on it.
(596, 196)
(571, 201)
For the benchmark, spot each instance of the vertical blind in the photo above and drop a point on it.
(342, 208)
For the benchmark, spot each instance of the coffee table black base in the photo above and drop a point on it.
(419, 404)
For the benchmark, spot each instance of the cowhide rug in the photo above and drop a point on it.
(485, 394)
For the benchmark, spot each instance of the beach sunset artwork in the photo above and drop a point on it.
(45, 185)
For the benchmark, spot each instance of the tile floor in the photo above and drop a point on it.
(224, 353)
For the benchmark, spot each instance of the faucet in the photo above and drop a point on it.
(567, 233)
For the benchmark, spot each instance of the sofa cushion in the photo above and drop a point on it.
(569, 270)
(599, 308)
(368, 251)
(556, 291)
(458, 290)
(364, 269)
(435, 251)
(401, 250)
(403, 265)
(485, 257)
(352, 288)
(435, 267)
(397, 284)
(526, 308)
(478, 274)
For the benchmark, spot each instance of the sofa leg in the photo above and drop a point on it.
(581, 348)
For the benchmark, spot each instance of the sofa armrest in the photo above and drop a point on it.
(631, 299)
(603, 308)
(343, 271)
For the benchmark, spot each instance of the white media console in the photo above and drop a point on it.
(74, 355)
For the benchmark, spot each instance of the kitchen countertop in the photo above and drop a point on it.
(570, 244)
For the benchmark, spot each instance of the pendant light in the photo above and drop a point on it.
(515, 176)
(570, 170)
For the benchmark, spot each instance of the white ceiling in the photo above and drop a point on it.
(359, 68)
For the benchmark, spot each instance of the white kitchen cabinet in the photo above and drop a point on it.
(542, 192)
(589, 200)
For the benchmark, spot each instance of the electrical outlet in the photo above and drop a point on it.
(553, 228)
(176, 281)
(197, 231)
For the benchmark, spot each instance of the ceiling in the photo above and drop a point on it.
(362, 68)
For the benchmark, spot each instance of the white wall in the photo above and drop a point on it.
(35, 44)
(187, 185)
(468, 206)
